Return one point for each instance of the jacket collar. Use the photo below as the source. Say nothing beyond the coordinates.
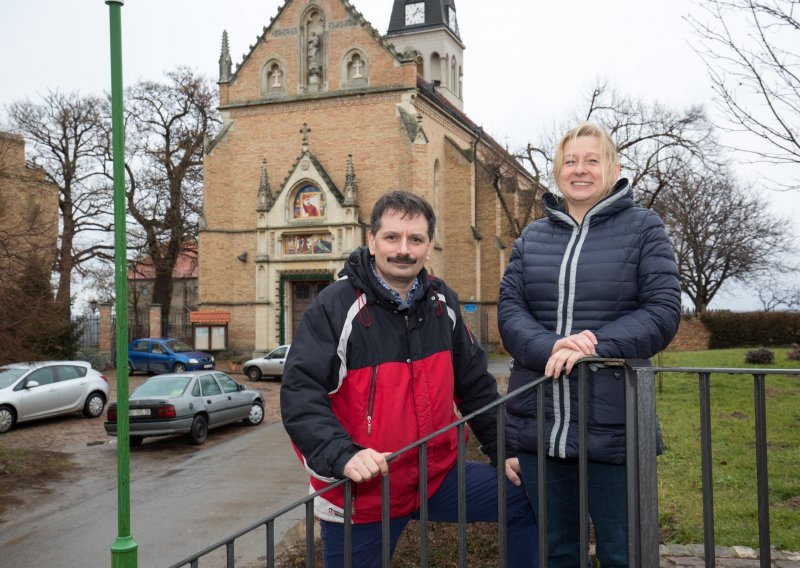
(621, 197)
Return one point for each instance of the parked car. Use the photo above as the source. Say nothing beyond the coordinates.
(29, 391)
(188, 403)
(165, 355)
(270, 365)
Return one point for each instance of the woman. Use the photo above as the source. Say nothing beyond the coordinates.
(596, 276)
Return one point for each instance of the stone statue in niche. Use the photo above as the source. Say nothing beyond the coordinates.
(314, 50)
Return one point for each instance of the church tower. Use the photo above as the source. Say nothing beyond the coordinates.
(430, 27)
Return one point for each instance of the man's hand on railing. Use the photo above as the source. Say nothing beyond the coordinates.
(513, 471)
(365, 465)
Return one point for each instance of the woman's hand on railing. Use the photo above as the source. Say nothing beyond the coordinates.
(585, 341)
(562, 360)
(513, 471)
(365, 465)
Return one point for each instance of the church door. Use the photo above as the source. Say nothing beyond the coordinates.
(303, 293)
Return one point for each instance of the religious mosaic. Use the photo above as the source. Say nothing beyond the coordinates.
(309, 203)
(321, 243)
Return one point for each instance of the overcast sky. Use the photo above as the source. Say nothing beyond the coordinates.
(527, 64)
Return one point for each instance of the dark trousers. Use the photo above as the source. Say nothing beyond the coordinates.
(607, 509)
(481, 486)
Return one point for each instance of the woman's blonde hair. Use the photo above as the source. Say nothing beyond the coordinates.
(608, 152)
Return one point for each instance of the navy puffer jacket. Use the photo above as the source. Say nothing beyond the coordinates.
(615, 275)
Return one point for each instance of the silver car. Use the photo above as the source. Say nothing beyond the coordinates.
(29, 391)
(187, 403)
(270, 365)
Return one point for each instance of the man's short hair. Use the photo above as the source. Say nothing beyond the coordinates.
(406, 203)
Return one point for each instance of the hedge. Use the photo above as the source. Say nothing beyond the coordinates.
(752, 329)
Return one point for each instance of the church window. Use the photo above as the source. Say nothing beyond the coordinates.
(436, 67)
(308, 243)
(355, 69)
(273, 78)
(308, 204)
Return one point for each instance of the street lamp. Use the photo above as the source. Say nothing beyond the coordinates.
(93, 305)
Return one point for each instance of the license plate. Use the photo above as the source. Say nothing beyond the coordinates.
(207, 366)
(140, 412)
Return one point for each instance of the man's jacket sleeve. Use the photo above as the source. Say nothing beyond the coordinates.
(312, 371)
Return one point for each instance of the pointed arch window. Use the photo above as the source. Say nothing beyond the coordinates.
(355, 69)
(308, 204)
(273, 78)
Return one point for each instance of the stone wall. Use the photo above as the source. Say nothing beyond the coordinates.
(692, 335)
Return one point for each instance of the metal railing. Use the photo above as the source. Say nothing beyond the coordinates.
(641, 478)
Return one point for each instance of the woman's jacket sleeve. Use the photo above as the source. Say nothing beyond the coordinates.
(525, 339)
(648, 329)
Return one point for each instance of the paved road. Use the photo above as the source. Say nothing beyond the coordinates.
(175, 512)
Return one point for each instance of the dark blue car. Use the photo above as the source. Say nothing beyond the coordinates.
(165, 355)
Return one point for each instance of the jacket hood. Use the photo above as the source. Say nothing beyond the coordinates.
(357, 269)
(621, 197)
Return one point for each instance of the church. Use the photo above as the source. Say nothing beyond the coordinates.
(323, 115)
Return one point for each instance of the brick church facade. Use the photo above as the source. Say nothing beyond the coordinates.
(324, 115)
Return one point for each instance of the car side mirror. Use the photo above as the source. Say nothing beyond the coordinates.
(242, 387)
(31, 384)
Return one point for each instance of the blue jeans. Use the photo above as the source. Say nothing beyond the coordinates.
(606, 485)
(481, 485)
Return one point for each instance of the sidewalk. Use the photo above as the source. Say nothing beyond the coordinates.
(726, 557)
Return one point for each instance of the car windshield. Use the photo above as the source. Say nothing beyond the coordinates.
(162, 386)
(177, 346)
(8, 376)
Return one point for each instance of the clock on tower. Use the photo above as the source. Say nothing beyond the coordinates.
(415, 13)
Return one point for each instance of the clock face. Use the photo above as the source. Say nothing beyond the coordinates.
(415, 13)
(451, 19)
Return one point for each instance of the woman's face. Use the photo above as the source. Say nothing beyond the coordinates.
(583, 178)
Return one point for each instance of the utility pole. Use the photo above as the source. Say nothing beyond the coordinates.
(124, 550)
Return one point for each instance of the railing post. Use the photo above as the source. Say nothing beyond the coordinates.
(583, 461)
(641, 440)
(762, 476)
(541, 472)
(502, 545)
(708, 478)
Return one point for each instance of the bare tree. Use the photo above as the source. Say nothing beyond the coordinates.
(516, 190)
(167, 124)
(775, 291)
(720, 233)
(69, 139)
(655, 142)
(751, 50)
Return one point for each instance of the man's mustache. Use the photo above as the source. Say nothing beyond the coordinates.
(402, 259)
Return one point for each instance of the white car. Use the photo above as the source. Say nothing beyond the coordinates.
(270, 365)
(29, 391)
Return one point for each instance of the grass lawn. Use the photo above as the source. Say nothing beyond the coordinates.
(733, 451)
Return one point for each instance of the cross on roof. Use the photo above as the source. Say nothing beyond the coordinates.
(304, 131)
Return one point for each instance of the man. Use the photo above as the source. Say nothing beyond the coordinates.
(377, 363)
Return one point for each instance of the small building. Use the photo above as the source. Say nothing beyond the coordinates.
(28, 209)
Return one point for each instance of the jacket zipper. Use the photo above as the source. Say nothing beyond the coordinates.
(373, 387)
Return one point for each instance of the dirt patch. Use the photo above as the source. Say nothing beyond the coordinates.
(30, 468)
(792, 503)
(735, 416)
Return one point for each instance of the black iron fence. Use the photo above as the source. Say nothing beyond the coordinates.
(89, 329)
(642, 489)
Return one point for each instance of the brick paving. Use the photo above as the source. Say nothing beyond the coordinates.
(726, 557)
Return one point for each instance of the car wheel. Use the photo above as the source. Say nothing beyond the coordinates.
(131, 369)
(135, 441)
(7, 419)
(254, 373)
(199, 432)
(179, 368)
(256, 415)
(94, 405)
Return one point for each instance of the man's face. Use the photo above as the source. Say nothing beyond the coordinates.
(400, 247)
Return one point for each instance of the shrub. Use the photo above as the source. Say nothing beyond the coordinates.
(794, 354)
(98, 360)
(760, 355)
(750, 329)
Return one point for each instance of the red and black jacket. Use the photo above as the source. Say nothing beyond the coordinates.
(364, 374)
